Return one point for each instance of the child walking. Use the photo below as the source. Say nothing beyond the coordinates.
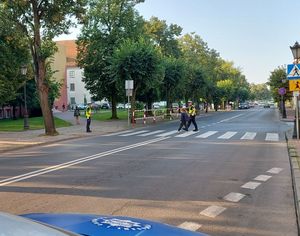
(183, 119)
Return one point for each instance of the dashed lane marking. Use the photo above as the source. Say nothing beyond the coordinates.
(234, 197)
(251, 185)
(263, 178)
(274, 170)
(190, 226)
(212, 211)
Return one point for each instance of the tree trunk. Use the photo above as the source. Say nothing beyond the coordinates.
(114, 114)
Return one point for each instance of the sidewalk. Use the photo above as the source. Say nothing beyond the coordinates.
(16, 140)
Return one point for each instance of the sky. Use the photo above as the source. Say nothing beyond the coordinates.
(254, 34)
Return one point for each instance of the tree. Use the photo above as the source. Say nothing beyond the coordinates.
(276, 81)
(40, 21)
(138, 61)
(107, 25)
(260, 91)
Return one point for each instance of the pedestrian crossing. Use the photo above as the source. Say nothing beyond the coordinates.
(212, 134)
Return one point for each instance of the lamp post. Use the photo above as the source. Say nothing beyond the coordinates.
(296, 54)
(26, 122)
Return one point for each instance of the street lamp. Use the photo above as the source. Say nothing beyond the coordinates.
(296, 54)
(26, 122)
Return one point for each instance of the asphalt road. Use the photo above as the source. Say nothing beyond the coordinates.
(230, 178)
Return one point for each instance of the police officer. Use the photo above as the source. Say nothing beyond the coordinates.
(192, 114)
(88, 114)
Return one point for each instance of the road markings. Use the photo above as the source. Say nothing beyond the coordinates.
(272, 137)
(263, 178)
(167, 134)
(249, 136)
(190, 226)
(76, 162)
(234, 197)
(122, 132)
(207, 134)
(251, 185)
(134, 133)
(275, 170)
(212, 211)
(185, 134)
(227, 135)
(151, 133)
(228, 119)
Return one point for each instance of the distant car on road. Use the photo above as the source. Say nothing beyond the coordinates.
(82, 224)
(267, 105)
(244, 105)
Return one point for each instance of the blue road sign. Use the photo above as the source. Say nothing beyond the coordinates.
(293, 71)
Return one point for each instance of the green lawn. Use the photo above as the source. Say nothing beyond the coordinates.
(105, 115)
(34, 123)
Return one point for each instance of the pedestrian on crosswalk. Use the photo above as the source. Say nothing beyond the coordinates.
(183, 119)
(192, 114)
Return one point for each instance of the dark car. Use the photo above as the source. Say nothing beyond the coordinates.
(83, 224)
(105, 106)
(244, 105)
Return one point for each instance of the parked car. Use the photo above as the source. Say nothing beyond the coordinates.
(156, 105)
(120, 106)
(82, 224)
(81, 106)
(105, 106)
(175, 107)
(127, 105)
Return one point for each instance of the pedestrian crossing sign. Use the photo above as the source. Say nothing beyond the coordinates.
(293, 71)
(294, 85)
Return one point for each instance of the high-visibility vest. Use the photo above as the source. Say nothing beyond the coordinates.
(88, 112)
(192, 110)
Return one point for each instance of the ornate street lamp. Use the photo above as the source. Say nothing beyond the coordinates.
(296, 54)
(26, 122)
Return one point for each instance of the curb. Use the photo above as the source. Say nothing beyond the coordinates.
(295, 172)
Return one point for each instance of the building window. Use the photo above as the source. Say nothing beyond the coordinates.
(72, 74)
(73, 100)
(72, 87)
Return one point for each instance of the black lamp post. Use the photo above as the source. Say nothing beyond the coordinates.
(26, 122)
(296, 54)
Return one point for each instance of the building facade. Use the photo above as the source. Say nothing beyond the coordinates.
(69, 75)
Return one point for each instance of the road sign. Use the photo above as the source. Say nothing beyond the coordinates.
(282, 91)
(294, 85)
(293, 71)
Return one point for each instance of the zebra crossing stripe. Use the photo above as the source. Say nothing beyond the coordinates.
(275, 170)
(186, 134)
(151, 133)
(212, 211)
(227, 135)
(249, 136)
(206, 134)
(134, 133)
(166, 134)
(272, 137)
(234, 197)
(121, 132)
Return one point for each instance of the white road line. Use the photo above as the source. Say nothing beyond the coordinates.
(263, 178)
(151, 133)
(206, 134)
(190, 226)
(186, 134)
(272, 137)
(234, 197)
(227, 135)
(134, 133)
(251, 185)
(117, 133)
(212, 211)
(75, 162)
(275, 170)
(221, 121)
(167, 134)
(249, 136)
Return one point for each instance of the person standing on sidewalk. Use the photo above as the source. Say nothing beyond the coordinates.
(76, 115)
(192, 114)
(88, 114)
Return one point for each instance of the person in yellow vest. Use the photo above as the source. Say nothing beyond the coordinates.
(88, 114)
(192, 115)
